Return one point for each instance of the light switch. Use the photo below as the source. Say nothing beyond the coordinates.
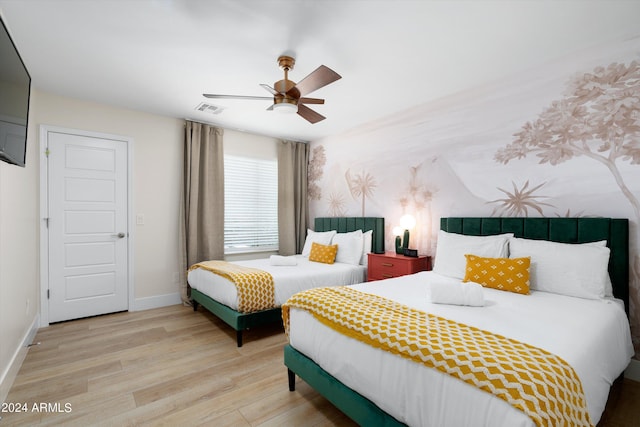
(140, 219)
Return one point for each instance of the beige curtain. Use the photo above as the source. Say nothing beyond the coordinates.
(293, 208)
(202, 212)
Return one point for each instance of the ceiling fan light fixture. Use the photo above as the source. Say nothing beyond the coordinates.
(285, 108)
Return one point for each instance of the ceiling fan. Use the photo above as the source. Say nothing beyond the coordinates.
(289, 96)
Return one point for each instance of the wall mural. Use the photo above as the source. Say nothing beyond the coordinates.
(317, 161)
(562, 139)
(361, 186)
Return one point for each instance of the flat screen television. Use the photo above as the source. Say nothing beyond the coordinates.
(15, 90)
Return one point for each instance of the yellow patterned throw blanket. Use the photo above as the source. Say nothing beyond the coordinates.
(532, 380)
(255, 287)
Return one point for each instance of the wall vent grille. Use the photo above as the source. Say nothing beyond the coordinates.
(209, 108)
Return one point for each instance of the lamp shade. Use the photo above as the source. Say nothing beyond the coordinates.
(407, 222)
(285, 107)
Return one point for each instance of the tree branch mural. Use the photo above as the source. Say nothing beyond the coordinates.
(599, 118)
(360, 185)
(315, 171)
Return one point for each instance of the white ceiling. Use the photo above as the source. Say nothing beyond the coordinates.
(159, 56)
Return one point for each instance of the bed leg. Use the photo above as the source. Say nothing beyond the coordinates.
(195, 305)
(292, 380)
(239, 338)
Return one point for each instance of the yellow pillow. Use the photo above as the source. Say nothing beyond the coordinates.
(323, 253)
(505, 274)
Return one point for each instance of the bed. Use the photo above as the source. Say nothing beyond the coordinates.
(219, 296)
(376, 387)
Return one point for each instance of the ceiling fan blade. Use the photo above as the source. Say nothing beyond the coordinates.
(309, 115)
(270, 89)
(310, 101)
(320, 77)
(260, 98)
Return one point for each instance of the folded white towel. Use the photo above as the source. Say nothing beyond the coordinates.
(459, 293)
(283, 260)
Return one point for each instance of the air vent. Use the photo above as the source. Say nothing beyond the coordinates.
(209, 108)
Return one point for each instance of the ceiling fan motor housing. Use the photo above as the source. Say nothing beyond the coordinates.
(282, 87)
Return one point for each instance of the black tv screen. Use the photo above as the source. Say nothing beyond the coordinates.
(15, 89)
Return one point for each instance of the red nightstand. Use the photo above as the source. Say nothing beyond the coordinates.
(390, 264)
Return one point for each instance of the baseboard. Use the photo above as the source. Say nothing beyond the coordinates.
(9, 375)
(633, 370)
(157, 301)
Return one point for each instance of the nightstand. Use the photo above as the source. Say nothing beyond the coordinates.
(390, 264)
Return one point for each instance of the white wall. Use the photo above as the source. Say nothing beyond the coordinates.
(18, 260)
(157, 178)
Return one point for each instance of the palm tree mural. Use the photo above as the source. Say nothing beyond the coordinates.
(361, 185)
(518, 201)
(336, 204)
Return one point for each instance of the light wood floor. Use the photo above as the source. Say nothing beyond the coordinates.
(171, 366)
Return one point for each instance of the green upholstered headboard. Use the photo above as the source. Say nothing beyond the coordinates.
(565, 230)
(346, 224)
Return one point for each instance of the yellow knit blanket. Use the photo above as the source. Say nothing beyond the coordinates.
(256, 290)
(532, 380)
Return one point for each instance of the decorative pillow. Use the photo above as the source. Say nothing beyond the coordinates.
(322, 237)
(366, 247)
(452, 247)
(323, 253)
(578, 270)
(505, 274)
(349, 246)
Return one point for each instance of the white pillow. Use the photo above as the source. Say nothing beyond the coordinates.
(321, 237)
(578, 270)
(452, 247)
(367, 236)
(608, 286)
(349, 247)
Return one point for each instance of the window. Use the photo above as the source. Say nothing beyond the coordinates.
(250, 204)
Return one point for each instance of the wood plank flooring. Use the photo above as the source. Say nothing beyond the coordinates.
(171, 366)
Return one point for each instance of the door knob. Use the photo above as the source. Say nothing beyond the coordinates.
(119, 235)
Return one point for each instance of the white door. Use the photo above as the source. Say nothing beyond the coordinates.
(87, 225)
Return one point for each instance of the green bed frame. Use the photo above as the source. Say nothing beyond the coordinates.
(565, 230)
(243, 321)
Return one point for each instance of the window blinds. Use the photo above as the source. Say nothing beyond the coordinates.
(250, 204)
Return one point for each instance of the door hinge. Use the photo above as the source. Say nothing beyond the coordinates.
(47, 152)
(47, 293)
(46, 222)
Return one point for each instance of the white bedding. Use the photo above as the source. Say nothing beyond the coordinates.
(288, 279)
(591, 335)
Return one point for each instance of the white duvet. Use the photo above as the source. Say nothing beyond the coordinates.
(288, 279)
(593, 336)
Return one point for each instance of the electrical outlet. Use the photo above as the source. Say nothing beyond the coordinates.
(140, 219)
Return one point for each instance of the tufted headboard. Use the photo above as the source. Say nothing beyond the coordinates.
(565, 230)
(346, 224)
